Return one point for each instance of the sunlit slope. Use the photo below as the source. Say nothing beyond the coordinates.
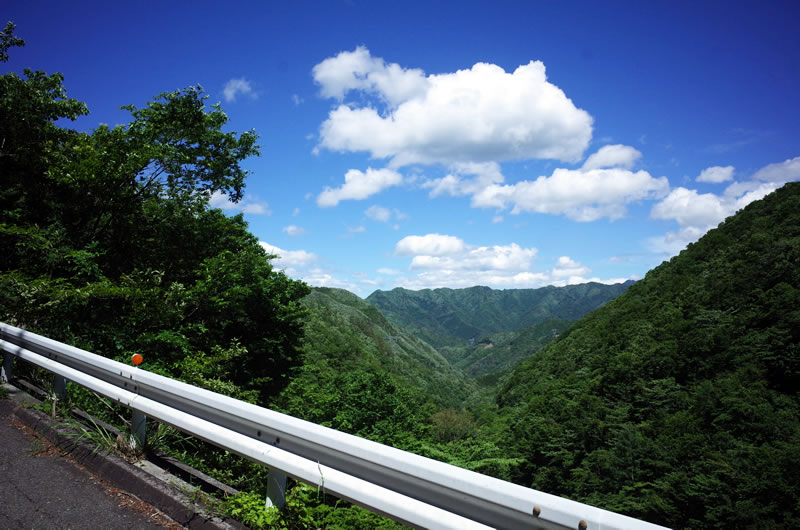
(677, 402)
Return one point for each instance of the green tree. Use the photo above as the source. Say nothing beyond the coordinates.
(8, 40)
(107, 240)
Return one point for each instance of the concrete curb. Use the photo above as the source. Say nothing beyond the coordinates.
(126, 476)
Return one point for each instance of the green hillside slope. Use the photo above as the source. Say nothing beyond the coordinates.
(454, 317)
(364, 375)
(677, 402)
(501, 351)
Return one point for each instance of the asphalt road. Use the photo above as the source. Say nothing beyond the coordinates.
(40, 488)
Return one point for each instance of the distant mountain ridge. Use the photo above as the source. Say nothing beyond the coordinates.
(459, 317)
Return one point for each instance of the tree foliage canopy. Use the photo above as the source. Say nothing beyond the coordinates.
(107, 240)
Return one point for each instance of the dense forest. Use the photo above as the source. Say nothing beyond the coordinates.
(677, 402)
(673, 399)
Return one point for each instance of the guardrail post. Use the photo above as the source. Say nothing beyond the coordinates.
(276, 489)
(59, 386)
(7, 371)
(139, 427)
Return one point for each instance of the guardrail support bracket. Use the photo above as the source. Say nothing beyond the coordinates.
(276, 489)
(139, 427)
(59, 386)
(8, 368)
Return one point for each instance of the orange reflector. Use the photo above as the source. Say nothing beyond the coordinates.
(137, 359)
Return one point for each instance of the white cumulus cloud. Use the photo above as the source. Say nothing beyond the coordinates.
(702, 211)
(601, 188)
(696, 213)
(785, 171)
(319, 277)
(672, 242)
(447, 261)
(618, 155)
(466, 179)
(478, 114)
(690, 208)
(359, 185)
(566, 268)
(358, 70)
(235, 87)
(430, 245)
(492, 258)
(288, 259)
(581, 195)
(433, 279)
(716, 174)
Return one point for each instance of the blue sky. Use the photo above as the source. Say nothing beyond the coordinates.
(451, 144)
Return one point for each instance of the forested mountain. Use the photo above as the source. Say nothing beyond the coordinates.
(677, 402)
(501, 351)
(454, 317)
(345, 333)
(363, 375)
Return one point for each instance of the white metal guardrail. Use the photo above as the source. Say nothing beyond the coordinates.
(406, 487)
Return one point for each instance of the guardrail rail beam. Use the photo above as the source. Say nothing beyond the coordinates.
(412, 489)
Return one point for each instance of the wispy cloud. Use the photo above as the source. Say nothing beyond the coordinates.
(384, 215)
(294, 230)
(236, 87)
(741, 139)
(250, 204)
(378, 213)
